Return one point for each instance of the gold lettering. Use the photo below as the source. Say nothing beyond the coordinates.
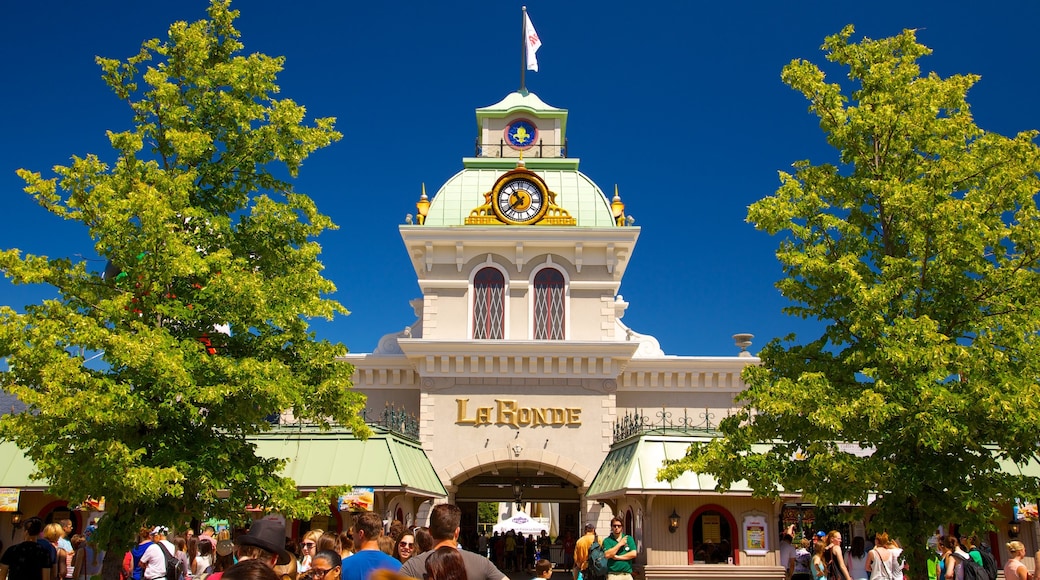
(557, 416)
(461, 403)
(507, 412)
(538, 417)
(573, 416)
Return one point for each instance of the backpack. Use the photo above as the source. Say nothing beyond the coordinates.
(175, 568)
(971, 570)
(598, 566)
(988, 562)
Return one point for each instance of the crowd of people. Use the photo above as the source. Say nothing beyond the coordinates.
(365, 552)
(820, 557)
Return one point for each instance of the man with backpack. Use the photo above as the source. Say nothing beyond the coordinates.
(581, 551)
(620, 551)
(158, 560)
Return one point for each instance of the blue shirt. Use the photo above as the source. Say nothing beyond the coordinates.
(359, 565)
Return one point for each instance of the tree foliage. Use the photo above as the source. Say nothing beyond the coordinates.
(919, 249)
(202, 229)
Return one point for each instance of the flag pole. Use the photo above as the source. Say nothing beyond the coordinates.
(523, 47)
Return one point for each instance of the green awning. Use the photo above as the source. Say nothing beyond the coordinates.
(631, 468)
(386, 461)
(16, 469)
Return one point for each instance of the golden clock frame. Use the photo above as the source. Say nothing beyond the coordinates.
(551, 215)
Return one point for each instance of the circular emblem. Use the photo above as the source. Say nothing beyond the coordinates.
(521, 134)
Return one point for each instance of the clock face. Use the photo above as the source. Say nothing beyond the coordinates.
(520, 201)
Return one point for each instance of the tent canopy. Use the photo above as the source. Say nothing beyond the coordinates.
(521, 523)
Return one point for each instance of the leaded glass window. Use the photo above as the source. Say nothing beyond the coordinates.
(489, 294)
(548, 305)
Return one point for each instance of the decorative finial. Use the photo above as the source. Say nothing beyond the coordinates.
(618, 208)
(422, 206)
(520, 161)
(408, 218)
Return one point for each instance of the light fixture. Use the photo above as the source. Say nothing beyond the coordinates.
(1013, 529)
(16, 521)
(673, 522)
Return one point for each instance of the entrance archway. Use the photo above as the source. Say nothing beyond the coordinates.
(549, 495)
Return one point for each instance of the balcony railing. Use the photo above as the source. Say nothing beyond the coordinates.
(539, 149)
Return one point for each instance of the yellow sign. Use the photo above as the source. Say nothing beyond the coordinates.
(509, 412)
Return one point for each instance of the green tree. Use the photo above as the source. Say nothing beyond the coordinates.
(919, 251)
(204, 331)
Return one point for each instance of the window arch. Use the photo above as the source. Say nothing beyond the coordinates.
(489, 298)
(548, 305)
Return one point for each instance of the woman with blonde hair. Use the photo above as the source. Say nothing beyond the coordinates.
(52, 533)
(1015, 569)
(832, 556)
(308, 548)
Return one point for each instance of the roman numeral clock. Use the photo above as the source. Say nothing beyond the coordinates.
(520, 198)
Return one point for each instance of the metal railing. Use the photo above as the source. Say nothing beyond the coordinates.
(396, 420)
(539, 149)
(638, 422)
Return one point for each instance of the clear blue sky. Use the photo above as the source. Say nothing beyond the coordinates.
(678, 102)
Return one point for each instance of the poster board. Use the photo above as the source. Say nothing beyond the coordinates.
(754, 534)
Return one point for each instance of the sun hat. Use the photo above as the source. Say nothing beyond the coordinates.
(268, 535)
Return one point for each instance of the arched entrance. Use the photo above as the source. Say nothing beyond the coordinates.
(548, 496)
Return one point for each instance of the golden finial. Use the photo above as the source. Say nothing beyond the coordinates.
(618, 208)
(422, 206)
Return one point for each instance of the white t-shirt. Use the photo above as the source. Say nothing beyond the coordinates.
(154, 561)
(786, 554)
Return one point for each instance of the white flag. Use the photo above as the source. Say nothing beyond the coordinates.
(532, 42)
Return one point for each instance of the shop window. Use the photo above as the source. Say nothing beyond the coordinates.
(712, 536)
(489, 297)
(549, 305)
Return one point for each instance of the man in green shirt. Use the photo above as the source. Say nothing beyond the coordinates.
(620, 551)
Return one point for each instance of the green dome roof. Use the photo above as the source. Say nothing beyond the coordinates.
(575, 192)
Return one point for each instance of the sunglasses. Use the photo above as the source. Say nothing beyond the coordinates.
(405, 544)
(319, 572)
(307, 544)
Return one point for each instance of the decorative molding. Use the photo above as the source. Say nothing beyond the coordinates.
(537, 359)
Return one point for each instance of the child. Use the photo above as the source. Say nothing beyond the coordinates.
(542, 570)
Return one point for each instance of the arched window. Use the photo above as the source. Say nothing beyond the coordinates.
(489, 296)
(548, 305)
